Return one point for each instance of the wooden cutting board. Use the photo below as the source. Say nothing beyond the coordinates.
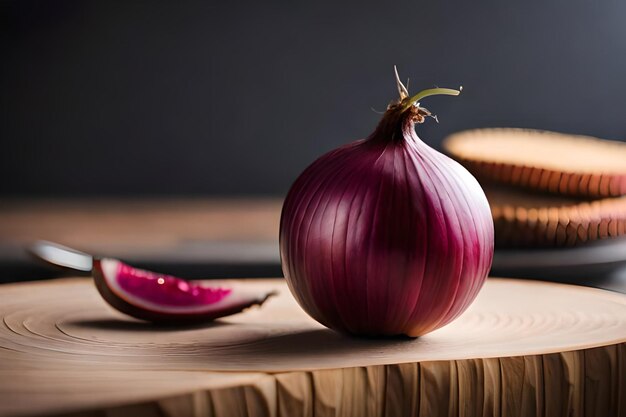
(523, 348)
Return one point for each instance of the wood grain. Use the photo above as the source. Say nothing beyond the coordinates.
(522, 349)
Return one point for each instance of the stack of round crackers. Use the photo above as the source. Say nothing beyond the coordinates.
(545, 188)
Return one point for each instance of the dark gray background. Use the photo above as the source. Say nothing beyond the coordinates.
(195, 98)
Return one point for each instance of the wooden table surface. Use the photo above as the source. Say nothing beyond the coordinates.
(522, 349)
(190, 237)
(200, 238)
(97, 224)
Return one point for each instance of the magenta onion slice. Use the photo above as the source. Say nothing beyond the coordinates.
(164, 298)
(386, 236)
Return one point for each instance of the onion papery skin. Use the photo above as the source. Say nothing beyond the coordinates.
(386, 236)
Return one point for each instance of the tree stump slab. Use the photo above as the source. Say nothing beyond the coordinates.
(524, 348)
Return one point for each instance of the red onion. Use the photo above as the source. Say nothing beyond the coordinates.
(386, 236)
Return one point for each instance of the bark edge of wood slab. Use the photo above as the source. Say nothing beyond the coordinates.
(523, 348)
(545, 161)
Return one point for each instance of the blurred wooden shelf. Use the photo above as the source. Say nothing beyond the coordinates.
(146, 223)
(193, 237)
(200, 238)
